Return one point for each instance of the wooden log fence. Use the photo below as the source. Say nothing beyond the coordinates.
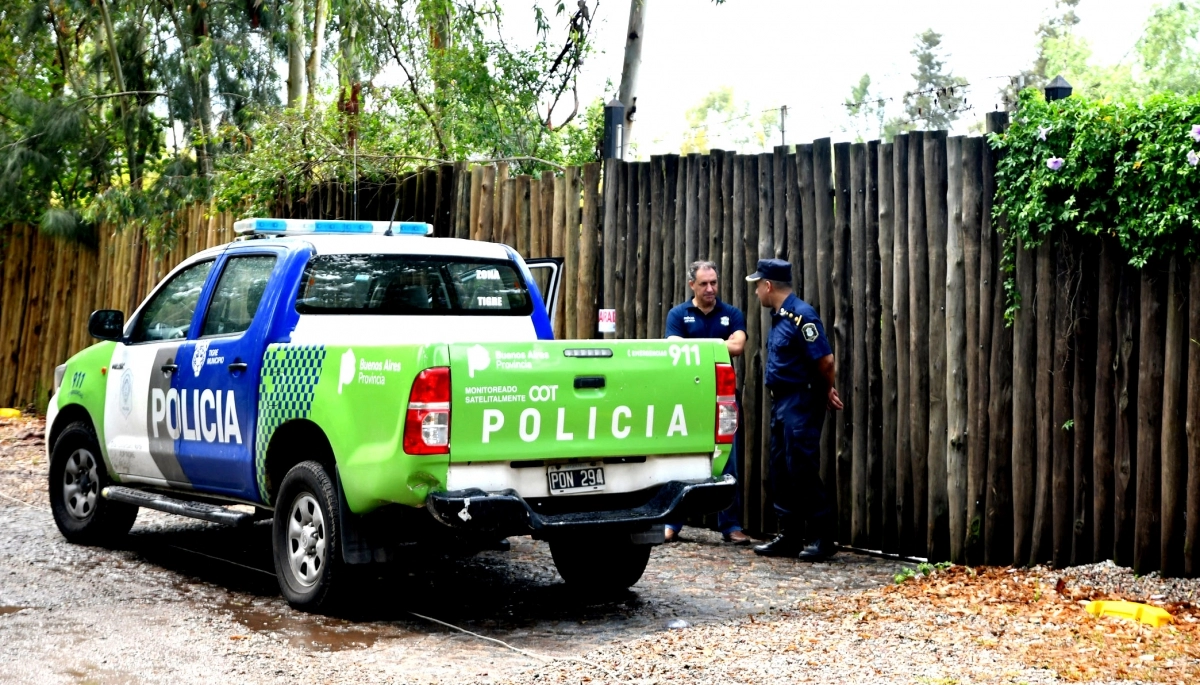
(1068, 434)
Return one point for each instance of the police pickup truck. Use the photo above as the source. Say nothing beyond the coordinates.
(374, 390)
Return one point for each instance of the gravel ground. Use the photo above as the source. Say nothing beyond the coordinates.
(191, 601)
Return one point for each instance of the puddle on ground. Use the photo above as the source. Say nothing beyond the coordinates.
(10, 610)
(307, 631)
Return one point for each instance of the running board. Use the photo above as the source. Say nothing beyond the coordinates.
(196, 510)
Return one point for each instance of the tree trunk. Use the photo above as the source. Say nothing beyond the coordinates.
(627, 93)
(313, 68)
(127, 123)
(295, 31)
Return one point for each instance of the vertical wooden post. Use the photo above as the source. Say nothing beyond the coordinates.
(874, 354)
(766, 250)
(716, 239)
(887, 289)
(808, 226)
(558, 240)
(523, 219)
(978, 256)
(1043, 515)
(487, 199)
(779, 194)
(795, 248)
(1024, 448)
(1084, 392)
(703, 182)
(1149, 420)
(1062, 409)
(855, 277)
(823, 190)
(752, 391)
(620, 264)
(693, 208)
(632, 230)
(1191, 542)
(1105, 402)
(956, 356)
(843, 330)
(462, 200)
(670, 235)
(608, 273)
(937, 226)
(643, 252)
(508, 218)
(13, 297)
(547, 207)
(1125, 446)
(1174, 447)
(446, 187)
(918, 321)
(997, 531)
(502, 173)
(585, 299)
(900, 321)
(729, 283)
(655, 320)
(536, 250)
(679, 274)
(737, 255)
(570, 286)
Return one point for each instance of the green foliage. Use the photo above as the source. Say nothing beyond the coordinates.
(866, 110)
(719, 121)
(1126, 170)
(938, 94)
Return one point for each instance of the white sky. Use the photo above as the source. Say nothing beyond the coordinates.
(807, 54)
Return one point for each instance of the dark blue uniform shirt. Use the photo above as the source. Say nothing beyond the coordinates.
(796, 342)
(687, 321)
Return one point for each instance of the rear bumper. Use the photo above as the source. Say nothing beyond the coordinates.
(506, 513)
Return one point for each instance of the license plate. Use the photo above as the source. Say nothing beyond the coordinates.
(571, 478)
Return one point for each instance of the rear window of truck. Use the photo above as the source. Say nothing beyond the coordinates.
(412, 285)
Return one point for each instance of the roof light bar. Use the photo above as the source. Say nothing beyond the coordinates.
(310, 226)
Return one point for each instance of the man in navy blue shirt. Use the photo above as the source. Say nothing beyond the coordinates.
(800, 377)
(706, 316)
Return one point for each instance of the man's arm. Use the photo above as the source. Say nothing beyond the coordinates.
(736, 343)
(825, 366)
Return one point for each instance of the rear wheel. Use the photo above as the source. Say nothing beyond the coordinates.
(605, 564)
(307, 549)
(77, 477)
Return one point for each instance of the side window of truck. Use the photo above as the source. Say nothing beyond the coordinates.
(237, 295)
(168, 316)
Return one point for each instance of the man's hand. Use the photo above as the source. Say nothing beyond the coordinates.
(835, 402)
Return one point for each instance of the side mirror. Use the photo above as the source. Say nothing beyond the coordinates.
(107, 324)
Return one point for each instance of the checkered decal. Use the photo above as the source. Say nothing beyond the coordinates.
(289, 378)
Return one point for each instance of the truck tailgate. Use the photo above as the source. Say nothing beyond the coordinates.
(583, 398)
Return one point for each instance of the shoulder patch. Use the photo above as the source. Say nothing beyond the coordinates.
(810, 331)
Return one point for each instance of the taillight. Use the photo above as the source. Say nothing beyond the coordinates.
(727, 412)
(427, 423)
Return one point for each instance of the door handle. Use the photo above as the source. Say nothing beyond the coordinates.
(169, 368)
(238, 366)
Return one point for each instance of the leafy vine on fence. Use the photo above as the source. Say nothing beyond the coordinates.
(1123, 169)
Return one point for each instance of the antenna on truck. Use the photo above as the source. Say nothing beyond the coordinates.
(393, 219)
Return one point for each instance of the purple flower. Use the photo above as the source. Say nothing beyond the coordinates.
(1193, 158)
(1042, 131)
(1196, 132)
(1054, 163)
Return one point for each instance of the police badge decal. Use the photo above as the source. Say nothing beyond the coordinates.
(198, 357)
(126, 397)
(810, 331)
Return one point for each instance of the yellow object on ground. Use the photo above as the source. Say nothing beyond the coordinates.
(6, 413)
(1133, 611)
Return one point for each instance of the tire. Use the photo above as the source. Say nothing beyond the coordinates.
(77, 476)
(599, 563)
(305, 538)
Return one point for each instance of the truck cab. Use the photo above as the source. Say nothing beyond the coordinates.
(371, 387)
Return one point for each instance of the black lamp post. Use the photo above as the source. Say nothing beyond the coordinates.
(1058, 89)
(614, 129)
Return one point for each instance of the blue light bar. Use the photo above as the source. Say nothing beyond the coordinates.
(310, 226)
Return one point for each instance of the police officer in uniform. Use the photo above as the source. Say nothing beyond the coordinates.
(800, 377)
(706, 316)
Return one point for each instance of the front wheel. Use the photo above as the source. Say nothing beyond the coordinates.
(77, 477)
(603, 564)
(304, 537)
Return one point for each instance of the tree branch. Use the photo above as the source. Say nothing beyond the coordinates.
(412, 84)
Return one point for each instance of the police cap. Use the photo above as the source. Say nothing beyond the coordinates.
(772, 270)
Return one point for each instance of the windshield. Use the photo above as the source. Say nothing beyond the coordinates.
(412, 285)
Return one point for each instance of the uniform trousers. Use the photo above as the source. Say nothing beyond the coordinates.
(794, 470)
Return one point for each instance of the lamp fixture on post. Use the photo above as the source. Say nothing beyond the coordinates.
(614, 129)
(1058, 89)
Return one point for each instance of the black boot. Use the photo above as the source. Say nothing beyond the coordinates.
(818, 550)
(783, 545)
